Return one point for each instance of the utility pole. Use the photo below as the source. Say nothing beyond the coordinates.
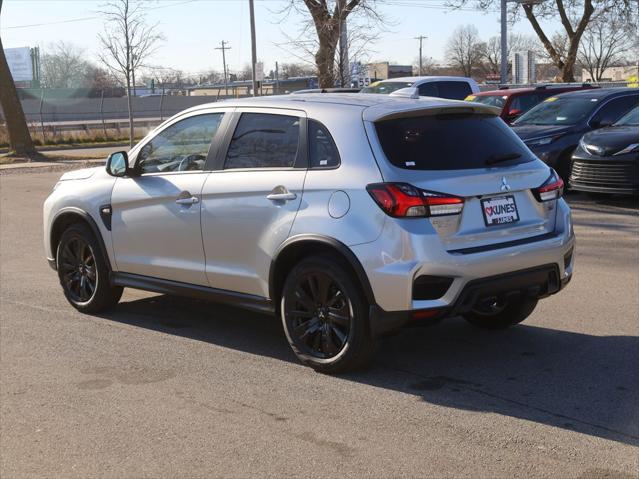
(503, 71)
(253, 47)
(420, 38)
(226, 78)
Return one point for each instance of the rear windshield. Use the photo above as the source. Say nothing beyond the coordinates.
(498, 101)
(450, 142)
(386, 87)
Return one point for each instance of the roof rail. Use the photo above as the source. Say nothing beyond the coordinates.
(504, 87)
(541, 87)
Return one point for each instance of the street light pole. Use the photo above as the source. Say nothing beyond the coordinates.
(253, 47)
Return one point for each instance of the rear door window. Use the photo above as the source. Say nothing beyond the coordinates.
(450, 142)
(454, 90)
(263, 140)
(428, 89)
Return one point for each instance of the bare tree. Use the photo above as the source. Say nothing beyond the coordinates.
(127, 42)
(428, 66)
(464, 49)
(604, 44)
(290, 70)
(574, 15)
(516, 43)
(63, 65)
(19, 136)
(326, 18)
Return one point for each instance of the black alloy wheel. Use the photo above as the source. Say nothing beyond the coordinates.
(84, 272)
(319, 315)
(78, 270)
(325, 315)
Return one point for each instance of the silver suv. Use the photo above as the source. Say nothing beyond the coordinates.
(349, 216)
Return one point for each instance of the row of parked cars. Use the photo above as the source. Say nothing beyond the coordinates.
(589, 135)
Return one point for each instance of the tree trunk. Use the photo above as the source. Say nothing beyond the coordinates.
(325, 61)
(19, 136)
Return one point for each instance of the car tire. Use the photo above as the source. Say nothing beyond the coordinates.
(512, 313)
(83, 271)
(325, 316)
(564, 166)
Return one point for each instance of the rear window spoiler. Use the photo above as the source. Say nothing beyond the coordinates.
(463, 108)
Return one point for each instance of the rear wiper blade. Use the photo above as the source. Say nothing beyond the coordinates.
(494, 159)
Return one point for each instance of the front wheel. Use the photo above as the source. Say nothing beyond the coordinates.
(325, 316)
(83, 271)
(498, 315)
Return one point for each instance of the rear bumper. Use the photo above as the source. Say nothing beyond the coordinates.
(400, 256)
(537, 283)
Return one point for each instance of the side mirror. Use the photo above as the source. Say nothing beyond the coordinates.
(514, 113)
(118, 164)
(600, 123)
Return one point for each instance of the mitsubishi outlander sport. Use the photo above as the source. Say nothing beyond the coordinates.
(347, 215)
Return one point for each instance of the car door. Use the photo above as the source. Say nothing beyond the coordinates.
(250, 202)
(156, 227)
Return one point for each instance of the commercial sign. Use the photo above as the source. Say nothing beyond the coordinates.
(20, 64)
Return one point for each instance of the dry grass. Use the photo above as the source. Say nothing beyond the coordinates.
(79, 137)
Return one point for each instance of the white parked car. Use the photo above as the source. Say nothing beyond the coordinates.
(347, 215)
(452, 88)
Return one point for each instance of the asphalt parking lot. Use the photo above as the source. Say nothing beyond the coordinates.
(168, 387)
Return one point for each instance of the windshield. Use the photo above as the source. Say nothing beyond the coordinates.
(498, 101)
(558, 111)
(433, 142)
(386, 87)
(630, 119)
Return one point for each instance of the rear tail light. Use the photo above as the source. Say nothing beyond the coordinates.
(402, 200)
(552, 189)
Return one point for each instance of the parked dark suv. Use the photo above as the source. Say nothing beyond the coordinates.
(553, 128)
(607, 160)
(517, 101)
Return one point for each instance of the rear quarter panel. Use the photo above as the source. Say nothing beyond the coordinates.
(345, 186)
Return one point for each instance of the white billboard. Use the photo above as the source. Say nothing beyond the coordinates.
(20, 65)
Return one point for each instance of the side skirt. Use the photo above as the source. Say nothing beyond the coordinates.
(165, 286)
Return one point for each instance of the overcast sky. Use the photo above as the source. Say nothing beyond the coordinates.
(193, 28)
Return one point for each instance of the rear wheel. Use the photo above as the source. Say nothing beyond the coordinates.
(83, 271)
(498, 314)
(325, 316)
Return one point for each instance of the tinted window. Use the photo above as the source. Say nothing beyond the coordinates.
(630, 119)
(559, 111)
(386, 87)
(454, 90)
(615, 109)
(182, 146)
(450, 142)
(322, 150)
(262, 140)
(497, 101)
(525, 102)
(428, 89)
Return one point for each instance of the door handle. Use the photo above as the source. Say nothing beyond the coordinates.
(282, 196)
(187, 198)
(280, 193)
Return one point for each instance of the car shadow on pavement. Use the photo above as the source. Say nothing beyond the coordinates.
(588, 384)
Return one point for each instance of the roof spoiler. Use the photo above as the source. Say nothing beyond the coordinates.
(465, 108)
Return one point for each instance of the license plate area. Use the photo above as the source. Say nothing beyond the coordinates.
(499, 210)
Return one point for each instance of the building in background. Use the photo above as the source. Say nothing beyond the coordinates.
(384, 71)
(626, 73)
(524, 68)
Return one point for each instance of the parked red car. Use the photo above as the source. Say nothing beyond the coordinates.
(514, 102)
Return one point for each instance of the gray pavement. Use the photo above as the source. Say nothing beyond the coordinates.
(168, 387)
